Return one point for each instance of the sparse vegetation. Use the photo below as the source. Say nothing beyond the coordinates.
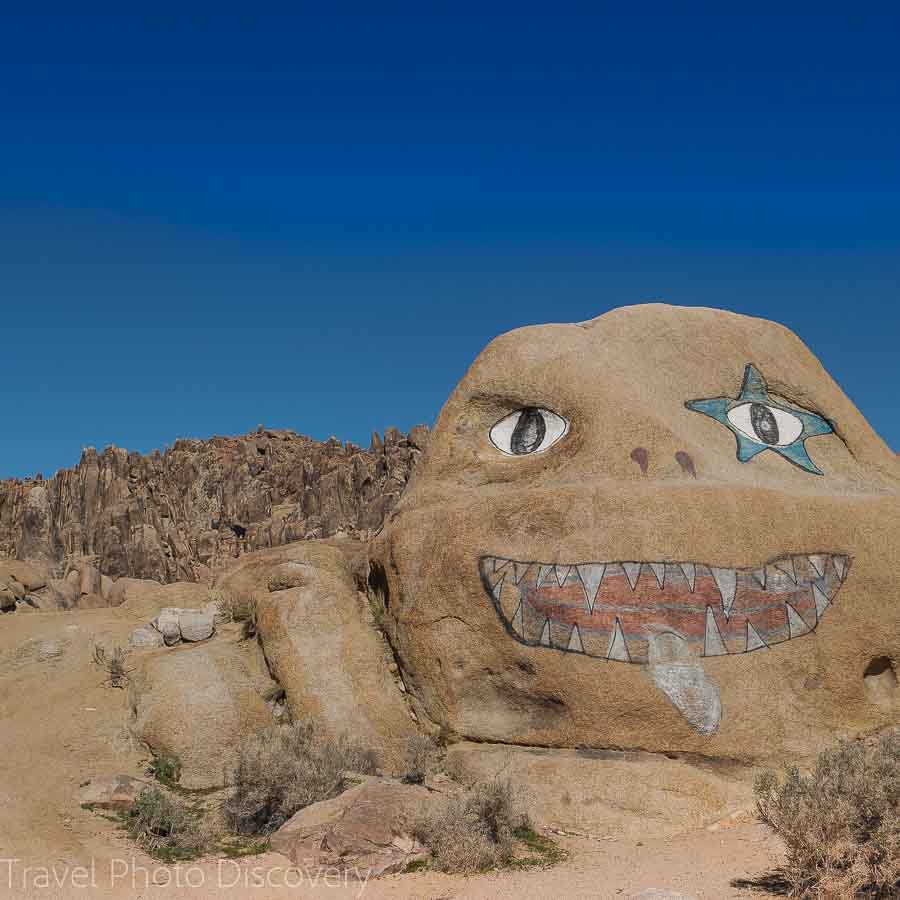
(238, 608)
(112, 662)
(422, 758)
(165, 827)
(286, 768)
(166, 769)
(474, 831)
(841, 823)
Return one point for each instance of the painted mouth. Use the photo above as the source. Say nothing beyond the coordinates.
(642, 612)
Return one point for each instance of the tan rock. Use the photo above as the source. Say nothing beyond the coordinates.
(197, 702)
(322, 647)
(605, 792)
(116, 792)
(675, 562)
(153, 517)
(364, 832)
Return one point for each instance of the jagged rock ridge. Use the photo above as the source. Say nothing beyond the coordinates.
(175, 516)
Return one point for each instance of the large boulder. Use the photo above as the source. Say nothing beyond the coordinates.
(197, 702)
(606, 793)
(664, 529)
(322, 647)
(364, 832)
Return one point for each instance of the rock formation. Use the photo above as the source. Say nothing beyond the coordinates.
(665, 529)
(175, 516)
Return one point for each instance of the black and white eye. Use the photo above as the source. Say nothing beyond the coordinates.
(766, 424)
(528, 430)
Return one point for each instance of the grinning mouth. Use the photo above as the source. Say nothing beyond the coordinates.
(643, 612)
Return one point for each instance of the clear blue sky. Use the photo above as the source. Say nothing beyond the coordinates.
(316, 220)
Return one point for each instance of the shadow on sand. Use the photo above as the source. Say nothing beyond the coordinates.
(773, 883)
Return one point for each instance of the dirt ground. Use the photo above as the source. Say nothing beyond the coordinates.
(59, 725)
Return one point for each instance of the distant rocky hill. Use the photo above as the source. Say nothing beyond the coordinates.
(174, 516)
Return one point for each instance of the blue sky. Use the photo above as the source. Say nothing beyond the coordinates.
(316, 220)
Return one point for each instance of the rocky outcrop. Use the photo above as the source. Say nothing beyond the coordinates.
(176, 516)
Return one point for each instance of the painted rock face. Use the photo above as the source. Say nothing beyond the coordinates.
(664, 529)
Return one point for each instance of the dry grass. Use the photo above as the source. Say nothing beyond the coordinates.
(284, 769)
(112, 662)
(423, 757)
(841, 823)
(474, 831)
(238, 608)
(165, 827)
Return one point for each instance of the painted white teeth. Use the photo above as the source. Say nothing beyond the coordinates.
(544, 572)
(796, 623)
(754, 641)
(518, 622)
(500, 564)
(726, 582)
(575, 644)
(821, 599)
(520, 570)
(787, 566)
(659, 570)
(818, 562)
(562, 573)
(545, 633)
(689, 570)
(618, 649)
(632, 572)
(760, 576)
(591, 576)
(714, 645)
(498, 588)
(840, 565)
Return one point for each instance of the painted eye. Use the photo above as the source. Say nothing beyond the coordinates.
(766, 424)
(528, 430)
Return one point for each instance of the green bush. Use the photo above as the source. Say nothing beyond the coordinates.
(165, 827)
(841, 823)
(166, 769)
(284, 769)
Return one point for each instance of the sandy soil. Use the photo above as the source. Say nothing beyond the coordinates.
(59, 725)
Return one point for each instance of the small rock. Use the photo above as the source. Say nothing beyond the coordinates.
(166, 623)
(288, 575)
(196, 625)
(117, 792)
(145, 636)
(7, 601)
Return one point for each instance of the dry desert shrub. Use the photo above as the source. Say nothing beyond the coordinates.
(423, 756)
(474, 831)
(285, 768)
(238, 608)
(841, 823)
(113, 664)
(166, 827)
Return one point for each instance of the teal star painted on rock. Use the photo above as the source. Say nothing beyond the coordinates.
(759, 423)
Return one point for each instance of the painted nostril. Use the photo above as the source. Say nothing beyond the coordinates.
(687, 464)
(642, 458)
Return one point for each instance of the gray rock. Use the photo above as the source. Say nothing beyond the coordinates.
(146, 636)
(196, 625)
(167, 624)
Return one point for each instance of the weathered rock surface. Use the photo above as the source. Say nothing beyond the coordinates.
(604, 792)
(174, 516)
(729, 599)
(321, 645)
(116, 792)
(197, 702)
(364, 832)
